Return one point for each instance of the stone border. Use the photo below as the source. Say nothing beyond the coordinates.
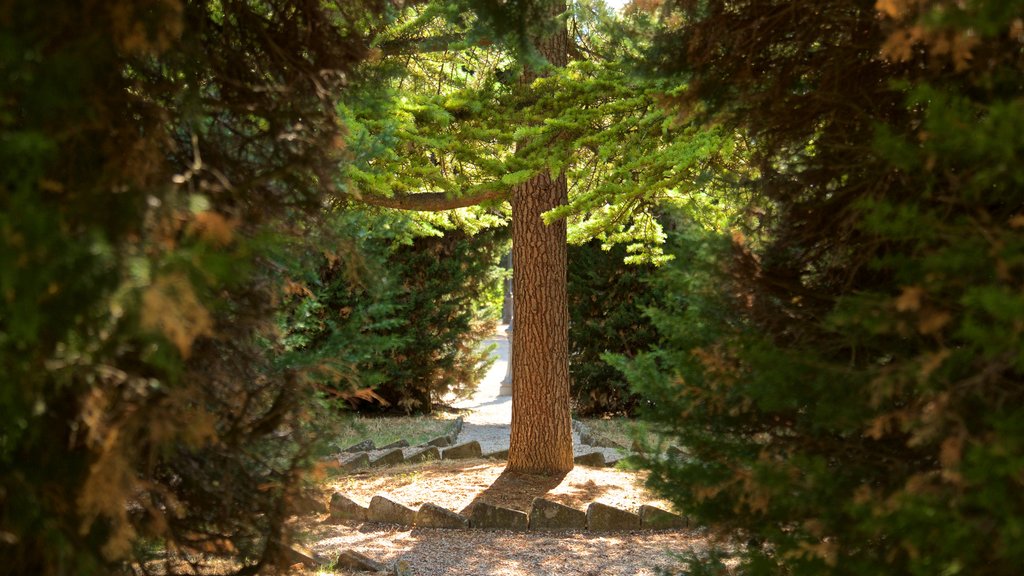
(357, 456)
(544, 515)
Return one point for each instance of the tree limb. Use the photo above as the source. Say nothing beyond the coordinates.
(429, 201)
(427, 44)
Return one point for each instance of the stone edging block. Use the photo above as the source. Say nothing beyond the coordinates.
(497, 455)
(548, 515)
(344, 509)
(428, 453)
(389, 458)
(595, 459)
(364, 446)
(383, 510)
(654, 518)
(468, 450)
(352, 560)
(434, 516)
(605, 518)
(357, 462)
(490, 517)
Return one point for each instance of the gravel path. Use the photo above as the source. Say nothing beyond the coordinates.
(490, 414)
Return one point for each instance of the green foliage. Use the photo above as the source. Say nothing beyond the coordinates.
(607, 302)
(846, 377)
(409, 327)
(144, 183)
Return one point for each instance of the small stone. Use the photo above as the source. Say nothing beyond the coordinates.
(654, 518)
(364, 446)
(402, 568)
(352, 560)
(356, 462)
(602, 517)
(548, 515)
(462, 451)
(440, 442)
(389, 459)
(396, 444)
(344, 509)
(383, 510)
(595, 459)
(429, 453)
(489, 517)
(434, 516)
(296, 554)
(497, 455)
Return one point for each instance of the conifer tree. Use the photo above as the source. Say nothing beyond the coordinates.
(481, 125)
(845, 373)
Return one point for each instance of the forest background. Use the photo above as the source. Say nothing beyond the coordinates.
(818, 209)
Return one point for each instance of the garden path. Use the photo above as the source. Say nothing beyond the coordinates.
(488, 414)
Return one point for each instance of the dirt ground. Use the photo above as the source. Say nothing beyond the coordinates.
(457, 485)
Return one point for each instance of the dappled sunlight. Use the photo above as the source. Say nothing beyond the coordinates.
(456, 485)
(444, 552)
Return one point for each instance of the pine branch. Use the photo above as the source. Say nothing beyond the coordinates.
(429, 201)
(429, 44)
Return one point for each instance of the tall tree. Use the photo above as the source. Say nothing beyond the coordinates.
(541, 431)
(468, 133)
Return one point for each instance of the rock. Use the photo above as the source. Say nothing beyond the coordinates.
(396, 444)
(654, 518)
(602, 442)
(462, 451)
(595, 459)
(296, 554)
(389, 459)
(344, 509)
(364, 446)
(356, 462)
(602, 517)
(429, 453)
(489, 517)
(497, 455)
(383, 510)
(440, 442)
(352, 560)
(434, 516)
(402, 568)
(548, 515)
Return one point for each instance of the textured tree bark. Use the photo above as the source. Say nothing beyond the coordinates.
(541, 431)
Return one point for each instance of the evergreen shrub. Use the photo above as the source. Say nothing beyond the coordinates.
(847, 378)
(411, 325)
(607, 301)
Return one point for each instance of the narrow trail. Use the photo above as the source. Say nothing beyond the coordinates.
(489, 416)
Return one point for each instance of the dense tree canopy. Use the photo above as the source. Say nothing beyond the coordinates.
(148, 152)
(849, 385)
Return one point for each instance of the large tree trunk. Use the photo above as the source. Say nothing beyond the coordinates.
(541, 432)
